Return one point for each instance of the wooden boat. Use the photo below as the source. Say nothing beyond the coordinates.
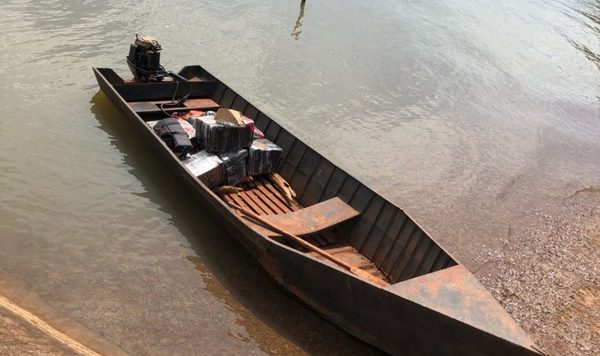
(420, 299)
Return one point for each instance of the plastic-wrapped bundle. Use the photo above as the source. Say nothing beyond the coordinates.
(174, 135)
(263, 157)
(193, 118)
(235, 166)
(219, 137)
(187, 127)
(208, 167)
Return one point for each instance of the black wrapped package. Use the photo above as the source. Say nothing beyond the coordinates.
(220, 137)
(263, 157)
(235, 166)
(171, 131)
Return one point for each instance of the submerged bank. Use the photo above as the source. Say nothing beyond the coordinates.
(20, 338)
(29, 327)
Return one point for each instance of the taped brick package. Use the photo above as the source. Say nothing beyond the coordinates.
(263, 157)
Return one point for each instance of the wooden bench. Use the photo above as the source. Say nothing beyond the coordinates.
(190, 104)
(307, 221)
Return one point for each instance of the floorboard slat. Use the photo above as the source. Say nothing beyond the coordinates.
(273, 198)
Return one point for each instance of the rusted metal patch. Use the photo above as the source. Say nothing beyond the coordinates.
(456, 293)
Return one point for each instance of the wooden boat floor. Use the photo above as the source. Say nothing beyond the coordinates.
(263, 198)
(350, 255)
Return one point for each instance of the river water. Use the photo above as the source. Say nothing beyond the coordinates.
(465, 113)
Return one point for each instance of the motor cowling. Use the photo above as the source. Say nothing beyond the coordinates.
(144, 59)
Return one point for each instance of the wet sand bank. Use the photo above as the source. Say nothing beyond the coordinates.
(29, 327)
(17, 337)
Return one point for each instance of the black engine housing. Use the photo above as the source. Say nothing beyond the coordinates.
(144, 59)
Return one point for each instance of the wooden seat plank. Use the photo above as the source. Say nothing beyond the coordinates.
(310, 220)
(190, 104)
(204, 103)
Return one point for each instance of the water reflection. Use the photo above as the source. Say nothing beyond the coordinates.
(228, 272)
(298, 27)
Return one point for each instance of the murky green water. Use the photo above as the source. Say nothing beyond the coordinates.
(466, 113)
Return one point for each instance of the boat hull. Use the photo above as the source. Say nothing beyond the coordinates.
(379, 316)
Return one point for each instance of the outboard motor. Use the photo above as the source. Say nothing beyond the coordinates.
(144, 59)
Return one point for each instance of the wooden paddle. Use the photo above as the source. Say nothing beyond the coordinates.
(354, 269)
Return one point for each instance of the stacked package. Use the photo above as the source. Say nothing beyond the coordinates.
(235, 166)
(263, 157)
(230, 147)
(218, 136)
(175, 136)
(208, 167)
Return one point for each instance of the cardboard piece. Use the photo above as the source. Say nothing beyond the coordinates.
(230, 116)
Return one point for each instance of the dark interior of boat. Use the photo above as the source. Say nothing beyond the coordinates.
(331, 209)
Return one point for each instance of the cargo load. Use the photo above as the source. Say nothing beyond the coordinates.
(235, 166)
(187, 127)
(208, 167)
(263, 157)
(175, 136)
(185, 124)
(220, 137)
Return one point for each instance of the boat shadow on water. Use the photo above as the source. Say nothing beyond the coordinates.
(229, 273)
